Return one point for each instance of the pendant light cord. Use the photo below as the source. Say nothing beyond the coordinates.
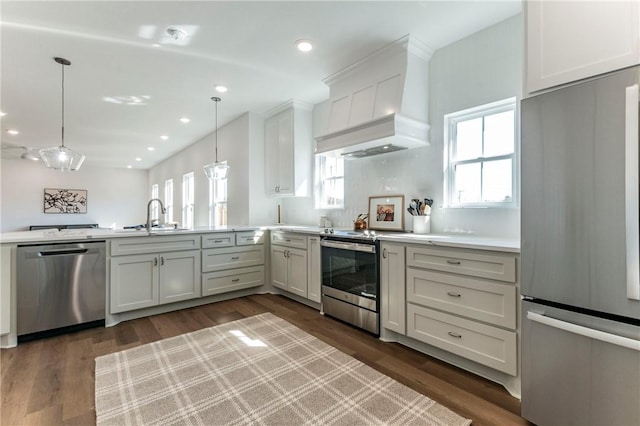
(216, 100)
(62, 65)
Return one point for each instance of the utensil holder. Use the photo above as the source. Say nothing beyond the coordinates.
(422, 224)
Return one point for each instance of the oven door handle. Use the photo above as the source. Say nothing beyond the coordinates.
(367, 248)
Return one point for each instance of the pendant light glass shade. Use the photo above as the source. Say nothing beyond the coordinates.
(60, 157)
(218, 169)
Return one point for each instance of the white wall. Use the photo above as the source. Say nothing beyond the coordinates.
(115, 197)
(241, 144)
(482, 68)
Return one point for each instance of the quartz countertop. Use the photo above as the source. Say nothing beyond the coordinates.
(443, 240)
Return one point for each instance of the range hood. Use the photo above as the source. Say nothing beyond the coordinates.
(379, 104)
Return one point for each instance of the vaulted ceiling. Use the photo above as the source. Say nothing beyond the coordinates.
(130, 82)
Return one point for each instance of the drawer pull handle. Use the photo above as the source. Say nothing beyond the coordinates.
(235, 280)
(384, 253)
(288, 241)
(217, 241)
(235, 258)
(452, 294)
(155, 261)
(453, 262)
(456, 335)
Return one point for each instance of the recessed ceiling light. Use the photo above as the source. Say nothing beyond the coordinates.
(156, 45)
(221, 89)
(164, 137)
(138, 159)
(150, 148)
(185, 120)
(129, 166)
(2, 114)
(13, 132)
(304, 45)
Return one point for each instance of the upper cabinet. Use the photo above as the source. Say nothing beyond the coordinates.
(568, 41)
(288, 150)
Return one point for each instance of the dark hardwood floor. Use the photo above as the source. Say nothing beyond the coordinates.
(51, 381)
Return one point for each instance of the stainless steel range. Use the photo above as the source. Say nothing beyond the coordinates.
(350, 278)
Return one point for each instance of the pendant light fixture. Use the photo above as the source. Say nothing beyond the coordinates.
(216, 170)
(60, 157)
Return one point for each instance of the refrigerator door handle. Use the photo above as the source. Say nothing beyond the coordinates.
(585, 331)
(632, 218)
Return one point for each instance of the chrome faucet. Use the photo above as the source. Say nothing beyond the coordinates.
(162, 210)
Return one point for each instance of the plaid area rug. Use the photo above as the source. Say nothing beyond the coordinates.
(257, 370)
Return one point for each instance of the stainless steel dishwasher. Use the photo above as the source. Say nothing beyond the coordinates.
(60, 285)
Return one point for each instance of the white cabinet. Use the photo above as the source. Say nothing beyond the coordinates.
(288, 150)
(314, 291)
(570, 40)
(6, 268)
(144, 280)
(289, 262)
(392, 287)
(235, 262)
(465, 302)
(145, 272)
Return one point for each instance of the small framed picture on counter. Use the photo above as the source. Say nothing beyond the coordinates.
(385, 212)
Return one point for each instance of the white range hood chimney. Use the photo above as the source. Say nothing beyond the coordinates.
(379, 104)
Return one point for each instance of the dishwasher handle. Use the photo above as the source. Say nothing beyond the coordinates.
(62, 252)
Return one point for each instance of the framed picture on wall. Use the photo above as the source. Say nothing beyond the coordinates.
(72, 201)
(386, 212)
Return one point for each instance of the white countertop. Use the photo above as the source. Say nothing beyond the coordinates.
(444, 240)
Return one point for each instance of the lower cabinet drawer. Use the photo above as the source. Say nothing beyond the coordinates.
(493, 302)
(232, 257)
(232, 280)
(484, 344)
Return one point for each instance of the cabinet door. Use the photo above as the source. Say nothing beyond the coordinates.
(392, 287)
(134, 282)
(569, 41)
(278, 267)
(179, 276)
(5, 288)
(314, 270)
(297, 272)
(271, 160)
(285, 153)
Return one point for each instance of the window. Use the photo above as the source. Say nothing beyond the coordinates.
(187, 200)
(218, 202)
(154, 206)
(329, 182)
(168, 200)
(481, 144)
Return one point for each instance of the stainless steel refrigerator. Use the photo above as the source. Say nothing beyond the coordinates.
(580, 253)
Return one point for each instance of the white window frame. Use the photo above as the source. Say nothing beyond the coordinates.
(188, 200)
(168, 200)
(155, 193)
(325, 182)
(450, 121)
(218, 201)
